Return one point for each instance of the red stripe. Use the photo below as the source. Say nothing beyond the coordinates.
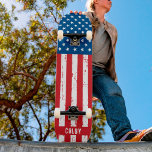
(68, 91)
(80, 82)
(58, 81)
(68, 81)
(80, 90)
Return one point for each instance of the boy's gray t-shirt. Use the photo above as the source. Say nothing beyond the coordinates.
(101, 47)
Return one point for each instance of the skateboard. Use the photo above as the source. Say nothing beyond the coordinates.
(73, 97)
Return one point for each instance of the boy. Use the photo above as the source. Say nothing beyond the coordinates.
(105, 85)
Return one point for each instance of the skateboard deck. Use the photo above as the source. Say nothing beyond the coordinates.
(73, 103)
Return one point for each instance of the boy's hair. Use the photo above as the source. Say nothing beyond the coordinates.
(90, 6)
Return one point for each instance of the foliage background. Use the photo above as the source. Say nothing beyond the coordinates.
(27, 73)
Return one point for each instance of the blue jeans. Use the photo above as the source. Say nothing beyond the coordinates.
(108, 91)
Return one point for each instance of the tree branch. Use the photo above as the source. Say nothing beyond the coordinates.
(8, 103)
(48, 130)
(19, 50)
(25, 74)
(26, 85)
(40, 139)
(13, 124)
(32, 92)
(20, 73)
(44, 25)
(47, 133)
(33, 64)
(54, 17)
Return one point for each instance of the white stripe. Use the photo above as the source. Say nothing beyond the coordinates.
(84, 138)
(85, 89)
(74, 84)
(63, 88)
(61, 138)
(73, 138)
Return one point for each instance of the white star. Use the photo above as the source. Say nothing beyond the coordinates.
(79, 16)
(82, 19)
(86, 28)
(86, 22)
(75, 31)
(75, 25)
(59, 49)
(67, 31)
(75, 19)
(89, 49)
(86, 44)
(82, 49)
(63, 44)
(82, 25)
(67, 49)
(82, 31)
(71, 28)
(79, 28)
(90, 25)
(72, 16)
(71, 22)
(68, 25)
(68, 19)
(67, 40)
(63, 28)
(74, 49)
(82, 40)
(79, 22)
(64, 22)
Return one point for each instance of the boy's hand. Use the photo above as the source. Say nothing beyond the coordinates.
(75, 12)
(94, 99)
(80, 12)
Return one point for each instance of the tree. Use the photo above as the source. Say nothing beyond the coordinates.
(27, 59)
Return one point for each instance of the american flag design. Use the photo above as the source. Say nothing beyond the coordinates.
(74, 79)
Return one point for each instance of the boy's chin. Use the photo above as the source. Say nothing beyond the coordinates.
(108, 9)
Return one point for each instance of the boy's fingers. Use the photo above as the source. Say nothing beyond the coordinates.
(75, 12)
(80, 12)
(94, 99)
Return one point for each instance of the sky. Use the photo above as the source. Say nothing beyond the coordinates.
(133, 21)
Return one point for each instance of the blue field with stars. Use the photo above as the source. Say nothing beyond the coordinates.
(75, 24)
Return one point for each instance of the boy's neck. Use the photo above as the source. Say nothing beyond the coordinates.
(100, 13)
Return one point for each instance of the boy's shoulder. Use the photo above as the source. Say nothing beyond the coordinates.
(93, 19)
(111, 26)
